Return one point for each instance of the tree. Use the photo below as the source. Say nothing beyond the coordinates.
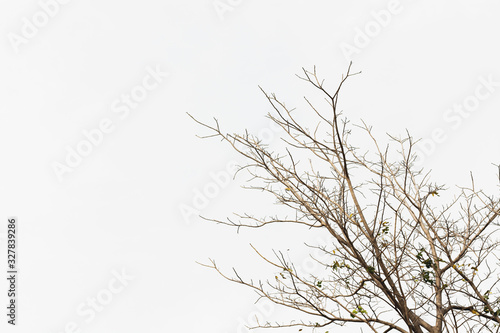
(396, 261)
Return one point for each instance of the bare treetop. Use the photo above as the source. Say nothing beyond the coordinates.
(397, 261)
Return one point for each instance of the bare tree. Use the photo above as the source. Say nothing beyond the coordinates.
(396, 261)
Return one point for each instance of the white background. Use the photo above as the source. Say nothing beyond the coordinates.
(119, 209)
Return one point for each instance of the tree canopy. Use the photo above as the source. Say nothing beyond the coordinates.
(397, 260)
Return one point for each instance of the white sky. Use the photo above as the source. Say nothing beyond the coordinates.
(119, 207)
